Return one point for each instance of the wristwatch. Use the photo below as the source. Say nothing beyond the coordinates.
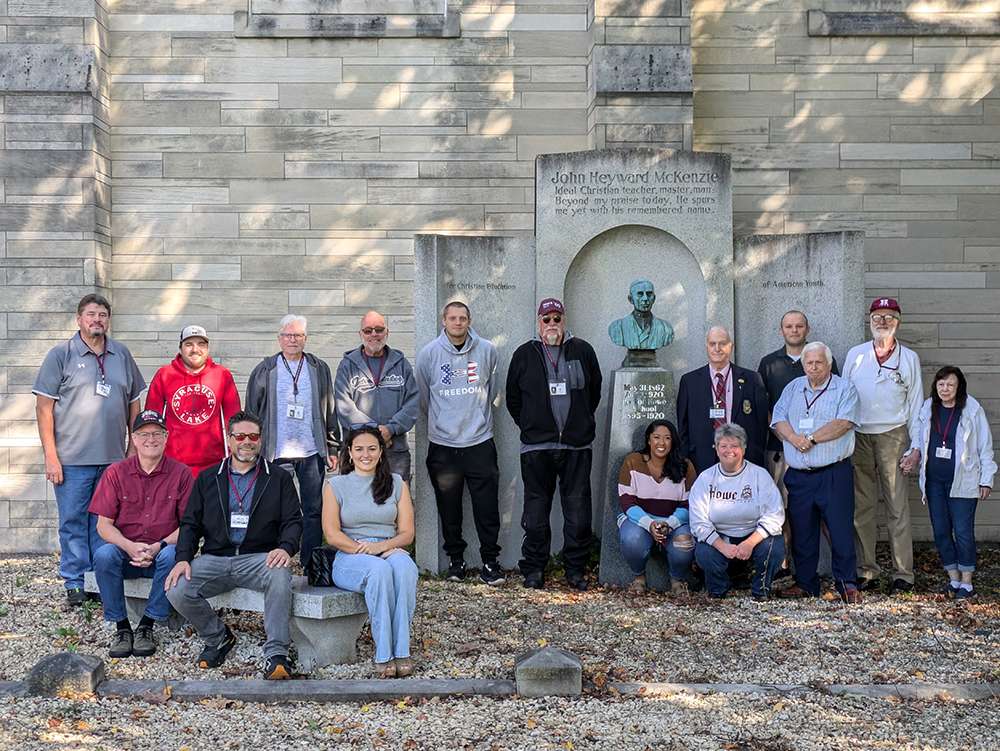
(162, 544)
(811, 439)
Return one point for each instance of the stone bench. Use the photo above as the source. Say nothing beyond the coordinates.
(325, 621)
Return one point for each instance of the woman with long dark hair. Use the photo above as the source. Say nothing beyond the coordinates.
(956, 473)
(653, 488)
(368, 517)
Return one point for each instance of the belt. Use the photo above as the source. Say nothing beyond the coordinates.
(814, 470)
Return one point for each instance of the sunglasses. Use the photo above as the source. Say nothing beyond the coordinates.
(373, 330)
(359, 425)
(254, 437)
(549, 319)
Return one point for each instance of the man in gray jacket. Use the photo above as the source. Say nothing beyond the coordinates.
(292, 392)
(375, 386)
(456, 376)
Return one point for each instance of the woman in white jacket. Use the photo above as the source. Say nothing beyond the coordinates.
(955, 474)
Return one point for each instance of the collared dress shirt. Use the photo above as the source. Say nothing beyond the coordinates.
(839, 402)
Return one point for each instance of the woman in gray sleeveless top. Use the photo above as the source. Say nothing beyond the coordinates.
(368, 517)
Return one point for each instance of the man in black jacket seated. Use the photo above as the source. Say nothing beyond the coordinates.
(553, 389)
(247, 511)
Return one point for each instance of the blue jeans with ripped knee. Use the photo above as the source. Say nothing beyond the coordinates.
(637, 545)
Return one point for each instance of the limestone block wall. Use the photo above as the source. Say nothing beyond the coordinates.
(896, 135)
(54, 225)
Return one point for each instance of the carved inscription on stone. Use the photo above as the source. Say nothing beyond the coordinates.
(634, 194)
(644, 401)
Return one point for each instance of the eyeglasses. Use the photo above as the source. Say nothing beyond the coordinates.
(359, 425)
(151, 435)
(887, 318)
(296, 337)
(254, 437)
(549, 319)
(373, 330)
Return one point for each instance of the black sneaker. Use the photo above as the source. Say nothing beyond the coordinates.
(576, 580)
(866, 584)
(212, 657)
(492, 574)
(76, 597)
(901, 587)
(277, 668)
(456, 571)
(143, 645)
(121, 644)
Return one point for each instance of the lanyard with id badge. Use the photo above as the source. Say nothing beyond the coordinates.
(295, 411)
(942, 451)
(239, 520)
(806, 423)
(718, 410)
(557, 385)
(102, 389)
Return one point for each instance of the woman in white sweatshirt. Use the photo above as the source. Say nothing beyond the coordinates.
(956, 472)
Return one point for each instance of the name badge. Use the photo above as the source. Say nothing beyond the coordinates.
(717, 414)
(239, 521)
(296, 412)
(104, 390)
(942, 453)
(806, 423)
(557, 388)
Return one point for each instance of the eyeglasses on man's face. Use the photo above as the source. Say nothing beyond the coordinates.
(293, 337)
(151, 435)
(889, 318)
(254, 437)
(550, 319)
(373, 330)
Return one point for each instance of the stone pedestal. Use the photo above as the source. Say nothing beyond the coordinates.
(548, 672)
(65, 671)
(637, 397)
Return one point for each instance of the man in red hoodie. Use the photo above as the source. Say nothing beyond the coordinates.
(197, 397)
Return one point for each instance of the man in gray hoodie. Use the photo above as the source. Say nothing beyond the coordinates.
(456, 377)
(375, 386)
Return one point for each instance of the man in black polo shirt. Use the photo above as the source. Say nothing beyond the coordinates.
(777, 370)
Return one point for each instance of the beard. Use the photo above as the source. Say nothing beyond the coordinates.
(553, 336)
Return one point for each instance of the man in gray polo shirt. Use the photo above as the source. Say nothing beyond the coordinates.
(292, 392)
(86, 395)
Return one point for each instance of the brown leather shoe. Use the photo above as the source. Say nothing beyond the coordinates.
(851, 596)
(793, 592)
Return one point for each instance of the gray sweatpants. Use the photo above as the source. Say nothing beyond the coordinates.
(212, 575)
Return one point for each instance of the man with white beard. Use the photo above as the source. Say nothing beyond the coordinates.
(553, 389)
(887, 377)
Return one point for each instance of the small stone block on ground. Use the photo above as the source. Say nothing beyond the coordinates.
(65, 671)
(548, 671)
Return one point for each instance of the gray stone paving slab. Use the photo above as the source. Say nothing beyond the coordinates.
(65, 671)
(548, 671)
(13, 688)
(327, 690)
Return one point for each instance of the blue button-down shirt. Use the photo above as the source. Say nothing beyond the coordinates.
(839, 402)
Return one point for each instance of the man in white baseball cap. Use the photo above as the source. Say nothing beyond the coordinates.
(196, 397)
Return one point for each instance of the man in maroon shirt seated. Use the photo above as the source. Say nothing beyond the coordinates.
(139, 503)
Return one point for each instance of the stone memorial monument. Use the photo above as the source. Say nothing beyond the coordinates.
(606, 221)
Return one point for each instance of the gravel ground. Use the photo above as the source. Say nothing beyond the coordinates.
(471, 631)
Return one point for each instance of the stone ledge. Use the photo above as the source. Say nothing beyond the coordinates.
(822, 23)
(880, 691)
(328, 25)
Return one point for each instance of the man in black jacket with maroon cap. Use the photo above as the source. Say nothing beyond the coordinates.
(553, 389)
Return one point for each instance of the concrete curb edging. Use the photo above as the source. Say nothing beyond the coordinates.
(872, 691)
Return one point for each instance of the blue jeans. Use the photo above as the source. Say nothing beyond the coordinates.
(767, 557)
(637, 544)
(112, 567)
(78, 538)
(310, 472)
(953, 516)
(390, 589)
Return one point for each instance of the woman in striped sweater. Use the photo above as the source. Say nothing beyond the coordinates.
(653, 488)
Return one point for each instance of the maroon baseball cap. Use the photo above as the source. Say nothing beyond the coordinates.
(148, 417)
(885, 303)
(551, 305)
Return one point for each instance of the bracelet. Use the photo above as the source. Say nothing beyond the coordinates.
(162, 544)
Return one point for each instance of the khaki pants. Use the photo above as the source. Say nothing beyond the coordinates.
(876, 464)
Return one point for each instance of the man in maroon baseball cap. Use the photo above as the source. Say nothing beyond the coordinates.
(139, 503)
(553, 389)
(887, 377)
